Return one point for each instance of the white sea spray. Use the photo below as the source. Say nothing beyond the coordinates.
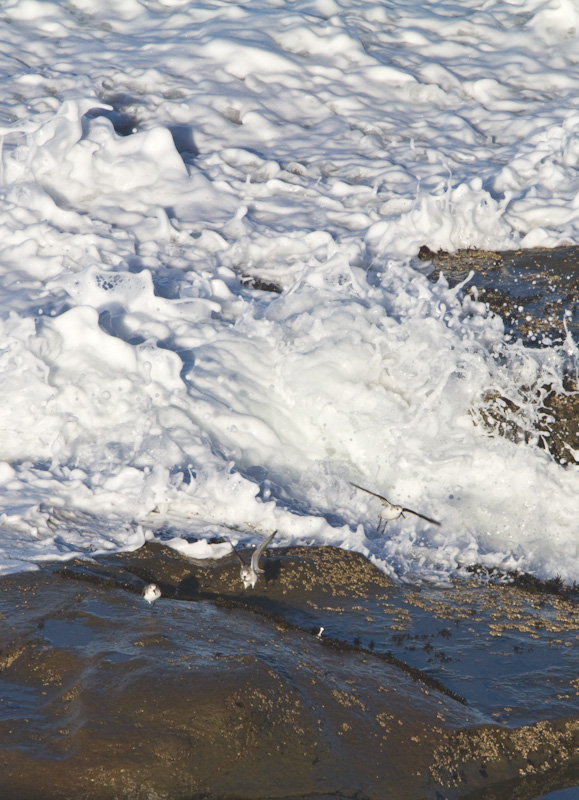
(172, 158)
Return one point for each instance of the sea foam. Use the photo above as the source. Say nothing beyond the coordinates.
(213, 317)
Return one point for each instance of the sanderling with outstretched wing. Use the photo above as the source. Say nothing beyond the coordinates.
(249, 574)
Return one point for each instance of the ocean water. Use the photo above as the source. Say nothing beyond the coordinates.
(213, 318)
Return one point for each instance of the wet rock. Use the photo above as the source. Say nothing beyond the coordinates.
(216, 692)
(533, 290)
(536, 293)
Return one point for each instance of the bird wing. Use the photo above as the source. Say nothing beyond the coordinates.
(236, 553)
(379, 496)
(416, 514)
(259, 550)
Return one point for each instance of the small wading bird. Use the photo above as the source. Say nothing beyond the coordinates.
(249, 574)
(151, 592)
(390, 511)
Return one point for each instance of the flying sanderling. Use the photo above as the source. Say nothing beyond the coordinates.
(390, 511)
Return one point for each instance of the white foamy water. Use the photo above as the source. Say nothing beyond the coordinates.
(163, 160)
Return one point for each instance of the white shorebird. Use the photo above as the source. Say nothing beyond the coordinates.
(151, 592)
(249, 574)
(390, 511)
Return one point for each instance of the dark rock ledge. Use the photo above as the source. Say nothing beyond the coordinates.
(218, 693)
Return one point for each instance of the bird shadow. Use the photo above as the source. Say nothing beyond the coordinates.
(188, 588)
(271, 569)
